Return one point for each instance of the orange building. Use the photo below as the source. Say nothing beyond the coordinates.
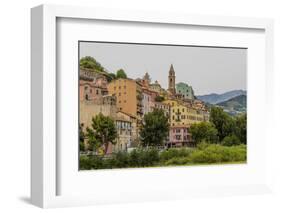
(128, 95)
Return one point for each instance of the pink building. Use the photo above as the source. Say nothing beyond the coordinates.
(179, 136)
(148, 100)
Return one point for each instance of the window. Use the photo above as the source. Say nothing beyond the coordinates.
(119, 93)
(97, 91)
(85, 88)
(86, 97)
(182, 109)
(90, 90)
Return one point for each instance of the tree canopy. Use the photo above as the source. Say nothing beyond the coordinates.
(204, 131)
(223, 122)
(155, 128)
(241, 127)
(234, 128)
(159, 98)
(91, 63)
(121, 74)
(101, 133)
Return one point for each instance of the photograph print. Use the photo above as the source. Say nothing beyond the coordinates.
(161, 105)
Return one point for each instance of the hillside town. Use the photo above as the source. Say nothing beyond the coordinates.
(128, 100)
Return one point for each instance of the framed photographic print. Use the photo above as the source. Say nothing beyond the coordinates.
(149, 106)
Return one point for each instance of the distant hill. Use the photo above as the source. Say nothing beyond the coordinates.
(214, 98)
(238, 103)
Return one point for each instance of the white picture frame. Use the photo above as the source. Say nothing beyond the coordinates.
(45, 169)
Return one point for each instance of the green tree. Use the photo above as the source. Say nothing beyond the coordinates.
(231, 140)
(121, 74)
(81, 138)
(102, 132)
(91, 63)
(112, 76)
(241, 127)
(154, 129)
(204, 131)
(223, 122)
(159, 98)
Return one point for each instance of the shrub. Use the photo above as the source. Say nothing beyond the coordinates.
(203, 154)
(231, 140)
(219, 154)
(121, 160)
(85, 163)
(90, 162)
(175, 152)
(177, 161)
(144, 157)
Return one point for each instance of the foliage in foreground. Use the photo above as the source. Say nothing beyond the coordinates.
(203, 154)
(101, 132)
(155, 128)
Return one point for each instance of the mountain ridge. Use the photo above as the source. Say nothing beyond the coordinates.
(238, 103)
(214, 98)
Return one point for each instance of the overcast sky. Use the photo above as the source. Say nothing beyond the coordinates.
(206, 69)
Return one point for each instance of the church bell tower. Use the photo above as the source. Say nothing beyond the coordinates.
(172, 80)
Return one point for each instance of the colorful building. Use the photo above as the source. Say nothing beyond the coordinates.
(179, 136)
(128, 94)
(182, 115)
(165, 107)
(156, 87)
(185, 90)
(148, 100)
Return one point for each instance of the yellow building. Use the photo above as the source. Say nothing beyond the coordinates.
(128, 95)
(181, 114)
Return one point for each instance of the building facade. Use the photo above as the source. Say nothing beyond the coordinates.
(163, 106)
(182, 115)
(92, 86)
(185, 90)
(124, 127)
(179, 136)
(128, 94)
